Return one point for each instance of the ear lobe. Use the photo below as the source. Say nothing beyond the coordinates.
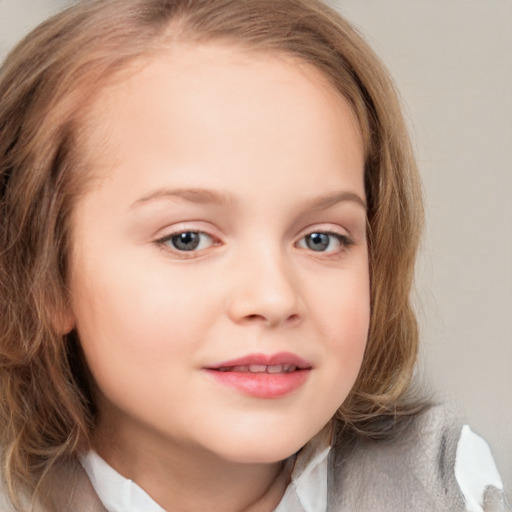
(65, 322)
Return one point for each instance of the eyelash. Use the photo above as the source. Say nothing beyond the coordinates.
(165, 242)
(344, 241)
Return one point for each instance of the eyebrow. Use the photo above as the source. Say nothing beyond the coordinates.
(194, 195)
(207, 196)
(329, 200)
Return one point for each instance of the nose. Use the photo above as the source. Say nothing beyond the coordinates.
(266, 291)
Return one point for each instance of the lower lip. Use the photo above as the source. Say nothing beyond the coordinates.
(262, 385)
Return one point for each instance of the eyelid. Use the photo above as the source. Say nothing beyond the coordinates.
(344, 238)
(162, 241)
(329, 228)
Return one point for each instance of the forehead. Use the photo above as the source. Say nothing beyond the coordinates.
(193, 98)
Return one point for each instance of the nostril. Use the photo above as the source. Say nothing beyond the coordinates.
(293, 318)
(254, 317)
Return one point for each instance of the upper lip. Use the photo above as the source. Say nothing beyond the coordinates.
(282, 358)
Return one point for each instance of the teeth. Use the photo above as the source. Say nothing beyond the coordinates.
(260, 368)
(257, 368)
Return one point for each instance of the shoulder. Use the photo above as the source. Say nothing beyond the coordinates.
(477, 475)
(414, 471)
(66, 489)
(5, 504)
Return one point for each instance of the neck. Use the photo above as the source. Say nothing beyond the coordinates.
(183, 478)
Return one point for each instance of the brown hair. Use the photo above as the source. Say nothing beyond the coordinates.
(46, 407)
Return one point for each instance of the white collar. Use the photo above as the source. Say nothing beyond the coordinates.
(307, 491)
(117, 493)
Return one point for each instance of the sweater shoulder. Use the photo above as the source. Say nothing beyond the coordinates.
(413, 471)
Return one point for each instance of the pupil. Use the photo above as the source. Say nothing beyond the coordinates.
(317, 241)
(186, 241)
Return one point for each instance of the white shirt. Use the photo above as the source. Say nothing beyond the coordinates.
(475, 470)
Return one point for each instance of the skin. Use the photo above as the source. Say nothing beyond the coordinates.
(269, 140)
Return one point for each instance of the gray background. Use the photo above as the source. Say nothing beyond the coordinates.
(452, 61)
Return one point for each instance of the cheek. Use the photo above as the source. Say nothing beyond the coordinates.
(131, 348)
(343, 306)
(138, 323)
(343, 313)
(347, 341)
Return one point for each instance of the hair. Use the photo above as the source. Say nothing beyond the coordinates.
(47, 410)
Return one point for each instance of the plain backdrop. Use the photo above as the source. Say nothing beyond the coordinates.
(452, 62)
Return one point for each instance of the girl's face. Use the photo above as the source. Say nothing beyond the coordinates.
(219, 279)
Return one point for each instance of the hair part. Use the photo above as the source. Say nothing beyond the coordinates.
(47, 84)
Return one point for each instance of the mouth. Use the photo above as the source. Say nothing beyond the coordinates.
(283, 362)
(260, 368)
(263, 376)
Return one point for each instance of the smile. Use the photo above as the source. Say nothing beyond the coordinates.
(260, 368)
(262, 376)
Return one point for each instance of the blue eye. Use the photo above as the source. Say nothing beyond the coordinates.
(324, 242)
(188, 241)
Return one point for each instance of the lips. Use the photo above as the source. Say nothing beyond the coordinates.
(261, 375)
(260, 368)
(255, 363)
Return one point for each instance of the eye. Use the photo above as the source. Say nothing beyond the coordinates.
(327, 242)
(188, 241)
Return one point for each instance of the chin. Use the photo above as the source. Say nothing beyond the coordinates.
(263, 449)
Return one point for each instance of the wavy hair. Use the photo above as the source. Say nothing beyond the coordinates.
(47, 410)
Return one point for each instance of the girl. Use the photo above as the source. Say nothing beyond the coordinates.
(210, 214)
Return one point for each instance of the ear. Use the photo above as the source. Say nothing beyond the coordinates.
(64, 321)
